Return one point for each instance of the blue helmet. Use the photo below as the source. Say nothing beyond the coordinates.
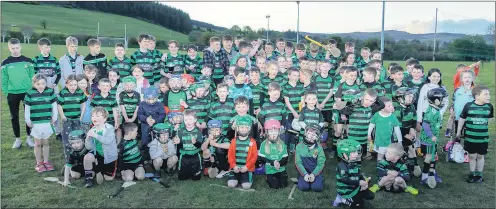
(214, 124)
(150, 92)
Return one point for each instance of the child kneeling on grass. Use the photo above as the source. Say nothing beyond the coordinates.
(101, 140)
(274, 155)
(392, 171)
(242, 156)
(130, 159)
(76, 152)
(310, 160)
(162, 149)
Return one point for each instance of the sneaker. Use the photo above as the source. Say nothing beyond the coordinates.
(471, 178)
(448, 133)
(438, 179)
(337, 201)
(431, 182)
(49, 166)
(479, 179)
(30, 141)
(221, 174)
(417, 171)
(17, 144)
(89, 182)
(156, 174)
(423, 181)
(40, 168)
(411, 190)
(374, 188)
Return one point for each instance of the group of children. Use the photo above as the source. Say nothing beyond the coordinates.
(242, 110)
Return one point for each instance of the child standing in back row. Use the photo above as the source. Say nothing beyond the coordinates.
(96, 58)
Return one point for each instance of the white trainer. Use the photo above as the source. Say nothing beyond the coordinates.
(17, 144)
(30, 141)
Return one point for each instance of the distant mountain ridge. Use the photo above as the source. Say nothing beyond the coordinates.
(395, 34)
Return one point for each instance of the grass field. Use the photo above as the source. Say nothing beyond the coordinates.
(74, 21)
(23, 187)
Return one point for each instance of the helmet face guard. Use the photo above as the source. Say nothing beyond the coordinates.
(273, 128)
(175, 83)
(312, 135)
(437, 97)
(175, 118)
(348, 147)
(76, 140)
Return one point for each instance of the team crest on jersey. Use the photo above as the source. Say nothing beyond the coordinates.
(315, 153)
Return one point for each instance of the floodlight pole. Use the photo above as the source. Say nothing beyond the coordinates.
(125, 36)
(435, 33)
(298, 23)
(382, 32)
(268, 17)
(98, 31)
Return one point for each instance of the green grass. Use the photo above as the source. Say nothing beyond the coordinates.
(75, 21)
(23, 187)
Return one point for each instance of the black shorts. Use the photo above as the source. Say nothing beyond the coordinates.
(327, 116)
(190, 163)
(78, 168)
(423, 149)
(364, 149)
(336, 117)
(241, 177)
(475, 148)
(406, 142)
(130, 166)
(108, 169)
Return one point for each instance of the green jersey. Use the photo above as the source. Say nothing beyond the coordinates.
(374, 85)
(130, 102)
(157, 56)
(384, 166)
(384, 129)
(222, 111)
(476, 121)
(71, 102)
(392, 92)
(48, 66)
(309, 116)
(348, 176)
(200, 106)
(272, 110)
(123, 66)
(147, 63)
(193, 66)
(345, 92)
(319, 56)
(172, 100)
(323, 86)
(171, 61)
(40, 104)
(188, 148)
(309, 160)
(108, 103)
(266, 81)
(17, 73)
(258, 95)
(294, 94)
(130, 152)
(432, 116)
(273, 152)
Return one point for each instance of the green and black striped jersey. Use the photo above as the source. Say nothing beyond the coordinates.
(266, 81)
(157, 56)
(323, 86)
(71, 102)
(242, 147)
(99, 61)
(347, 93)
(272, 110)
(374, 85)
(113, 89)
(172, 61)
(319, 56)
(188, 148)
(147, 63)
(130, 103)
(476, 121)
(222, 111)
(407, 116)
(392, 91)
(48, 66)
(348, 176)
(258, 95)
(130, 152)
(196, 64)
(384, 166)
(200, 106)
(358, 123)
(294, 94)
(40, 104)
(107, 103)
(123, 66)
(309, 116)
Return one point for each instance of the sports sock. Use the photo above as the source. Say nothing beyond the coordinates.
(426, 168)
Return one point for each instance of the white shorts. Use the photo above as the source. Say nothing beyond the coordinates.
(41, 131)
(380, 150)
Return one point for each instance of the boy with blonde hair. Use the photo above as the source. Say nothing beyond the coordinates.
(72, 62)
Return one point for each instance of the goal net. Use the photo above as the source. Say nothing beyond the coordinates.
(111, 41)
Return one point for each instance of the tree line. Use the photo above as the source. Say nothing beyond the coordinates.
(152, 12)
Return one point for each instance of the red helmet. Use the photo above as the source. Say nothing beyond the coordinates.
(270, 124)
(190, 79)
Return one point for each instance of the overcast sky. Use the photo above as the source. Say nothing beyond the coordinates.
(328, 17)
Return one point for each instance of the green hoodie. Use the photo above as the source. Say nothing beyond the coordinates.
(17, 73)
